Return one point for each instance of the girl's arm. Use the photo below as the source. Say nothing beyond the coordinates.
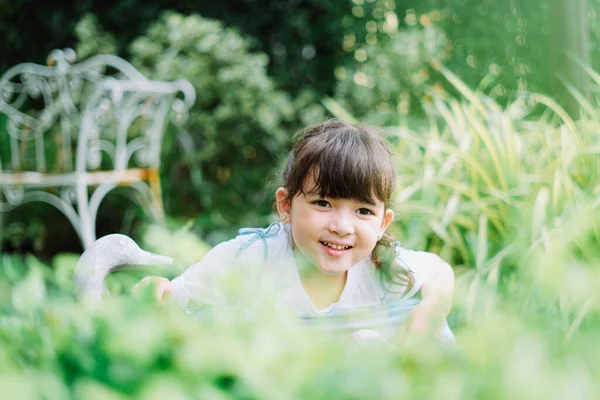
(429, 316)
(199, 283)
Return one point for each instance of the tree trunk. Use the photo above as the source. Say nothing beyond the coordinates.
(569, 44)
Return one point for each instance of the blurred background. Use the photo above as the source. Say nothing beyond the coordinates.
(492, 111)
(377, 60)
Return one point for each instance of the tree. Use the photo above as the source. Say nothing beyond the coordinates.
(569, 49)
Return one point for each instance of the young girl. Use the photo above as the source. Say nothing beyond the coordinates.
(330, 254)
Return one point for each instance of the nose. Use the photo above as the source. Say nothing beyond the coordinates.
(341, 223)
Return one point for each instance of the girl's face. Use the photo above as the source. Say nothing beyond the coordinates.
(333, 234)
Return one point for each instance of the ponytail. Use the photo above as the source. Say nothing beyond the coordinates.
(384, 257)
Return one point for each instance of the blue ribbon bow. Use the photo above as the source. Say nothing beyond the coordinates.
(259, 233)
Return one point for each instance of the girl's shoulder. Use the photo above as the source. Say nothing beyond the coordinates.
(244, 254)
(421, 264)
(417, 259)
(262, 243)
(256, 244)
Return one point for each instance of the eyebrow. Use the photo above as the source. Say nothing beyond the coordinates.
(366, 201)
(357, 199)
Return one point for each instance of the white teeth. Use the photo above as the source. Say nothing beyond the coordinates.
(335, 247)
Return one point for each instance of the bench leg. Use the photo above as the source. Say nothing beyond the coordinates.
(2, 200)
(156, 202)
(1, 230)
(87, 226)
(149, 198)
(64, 202)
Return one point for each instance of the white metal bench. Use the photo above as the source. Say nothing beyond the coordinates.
(70, 133)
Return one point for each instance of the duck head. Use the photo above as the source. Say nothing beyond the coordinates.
(107, 254)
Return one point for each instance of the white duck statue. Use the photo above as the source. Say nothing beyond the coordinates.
(107, 254)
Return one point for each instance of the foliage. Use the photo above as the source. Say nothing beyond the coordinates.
(507, 41)
(385, 52)
(477, 179)
(175, 241)
(505, 48)
(512, 199)
(220, 181)
(92, 39)
(214, 169)
(301, 37)
(544, 326)
(524, 231)
(238, 127)
(391, 63)
(488, 187)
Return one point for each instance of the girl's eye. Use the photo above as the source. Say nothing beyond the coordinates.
(365, 211)
(321, 203)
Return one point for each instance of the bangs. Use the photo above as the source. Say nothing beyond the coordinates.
(345, 162)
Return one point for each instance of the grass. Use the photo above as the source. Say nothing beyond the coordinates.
(512, 201)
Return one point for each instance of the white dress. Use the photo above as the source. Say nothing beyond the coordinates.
(265, 258)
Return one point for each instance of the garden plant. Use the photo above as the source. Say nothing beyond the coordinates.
(509, 198)
(495, 176)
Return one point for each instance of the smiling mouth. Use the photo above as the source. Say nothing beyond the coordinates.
(335, 246)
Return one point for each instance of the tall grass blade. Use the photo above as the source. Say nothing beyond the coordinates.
(482, 240)
(450, 210)
(485, 136)
(448, 118)
(539, 214)
(579, 317)
(463, 89)
(336, 109)
(583, 102)
(563, 115)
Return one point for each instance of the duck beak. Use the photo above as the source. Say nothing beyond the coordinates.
(146, 258)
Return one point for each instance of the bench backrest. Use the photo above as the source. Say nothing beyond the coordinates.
(100, 114)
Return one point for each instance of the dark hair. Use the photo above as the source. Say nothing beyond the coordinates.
(353, 162)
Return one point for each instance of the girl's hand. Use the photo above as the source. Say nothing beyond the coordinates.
(161, 287)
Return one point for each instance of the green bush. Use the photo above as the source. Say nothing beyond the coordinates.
(502, 48)
(488, 188)
(237, 128)
(216, 170)
(92, 39)
(217, 167)
(544, 325)
(388, 83)
(482, 184)
(390, 72)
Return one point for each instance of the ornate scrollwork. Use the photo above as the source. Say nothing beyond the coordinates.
(7, 91)
(104, 106)
(142, 157)
(103, 116)
(34, 84)
(74, 83)
(45, 117)
(61, 59)
(14, 195)
(68, 195)
(90, 110)
(94, 156)
(180, 112)
(53, 86)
